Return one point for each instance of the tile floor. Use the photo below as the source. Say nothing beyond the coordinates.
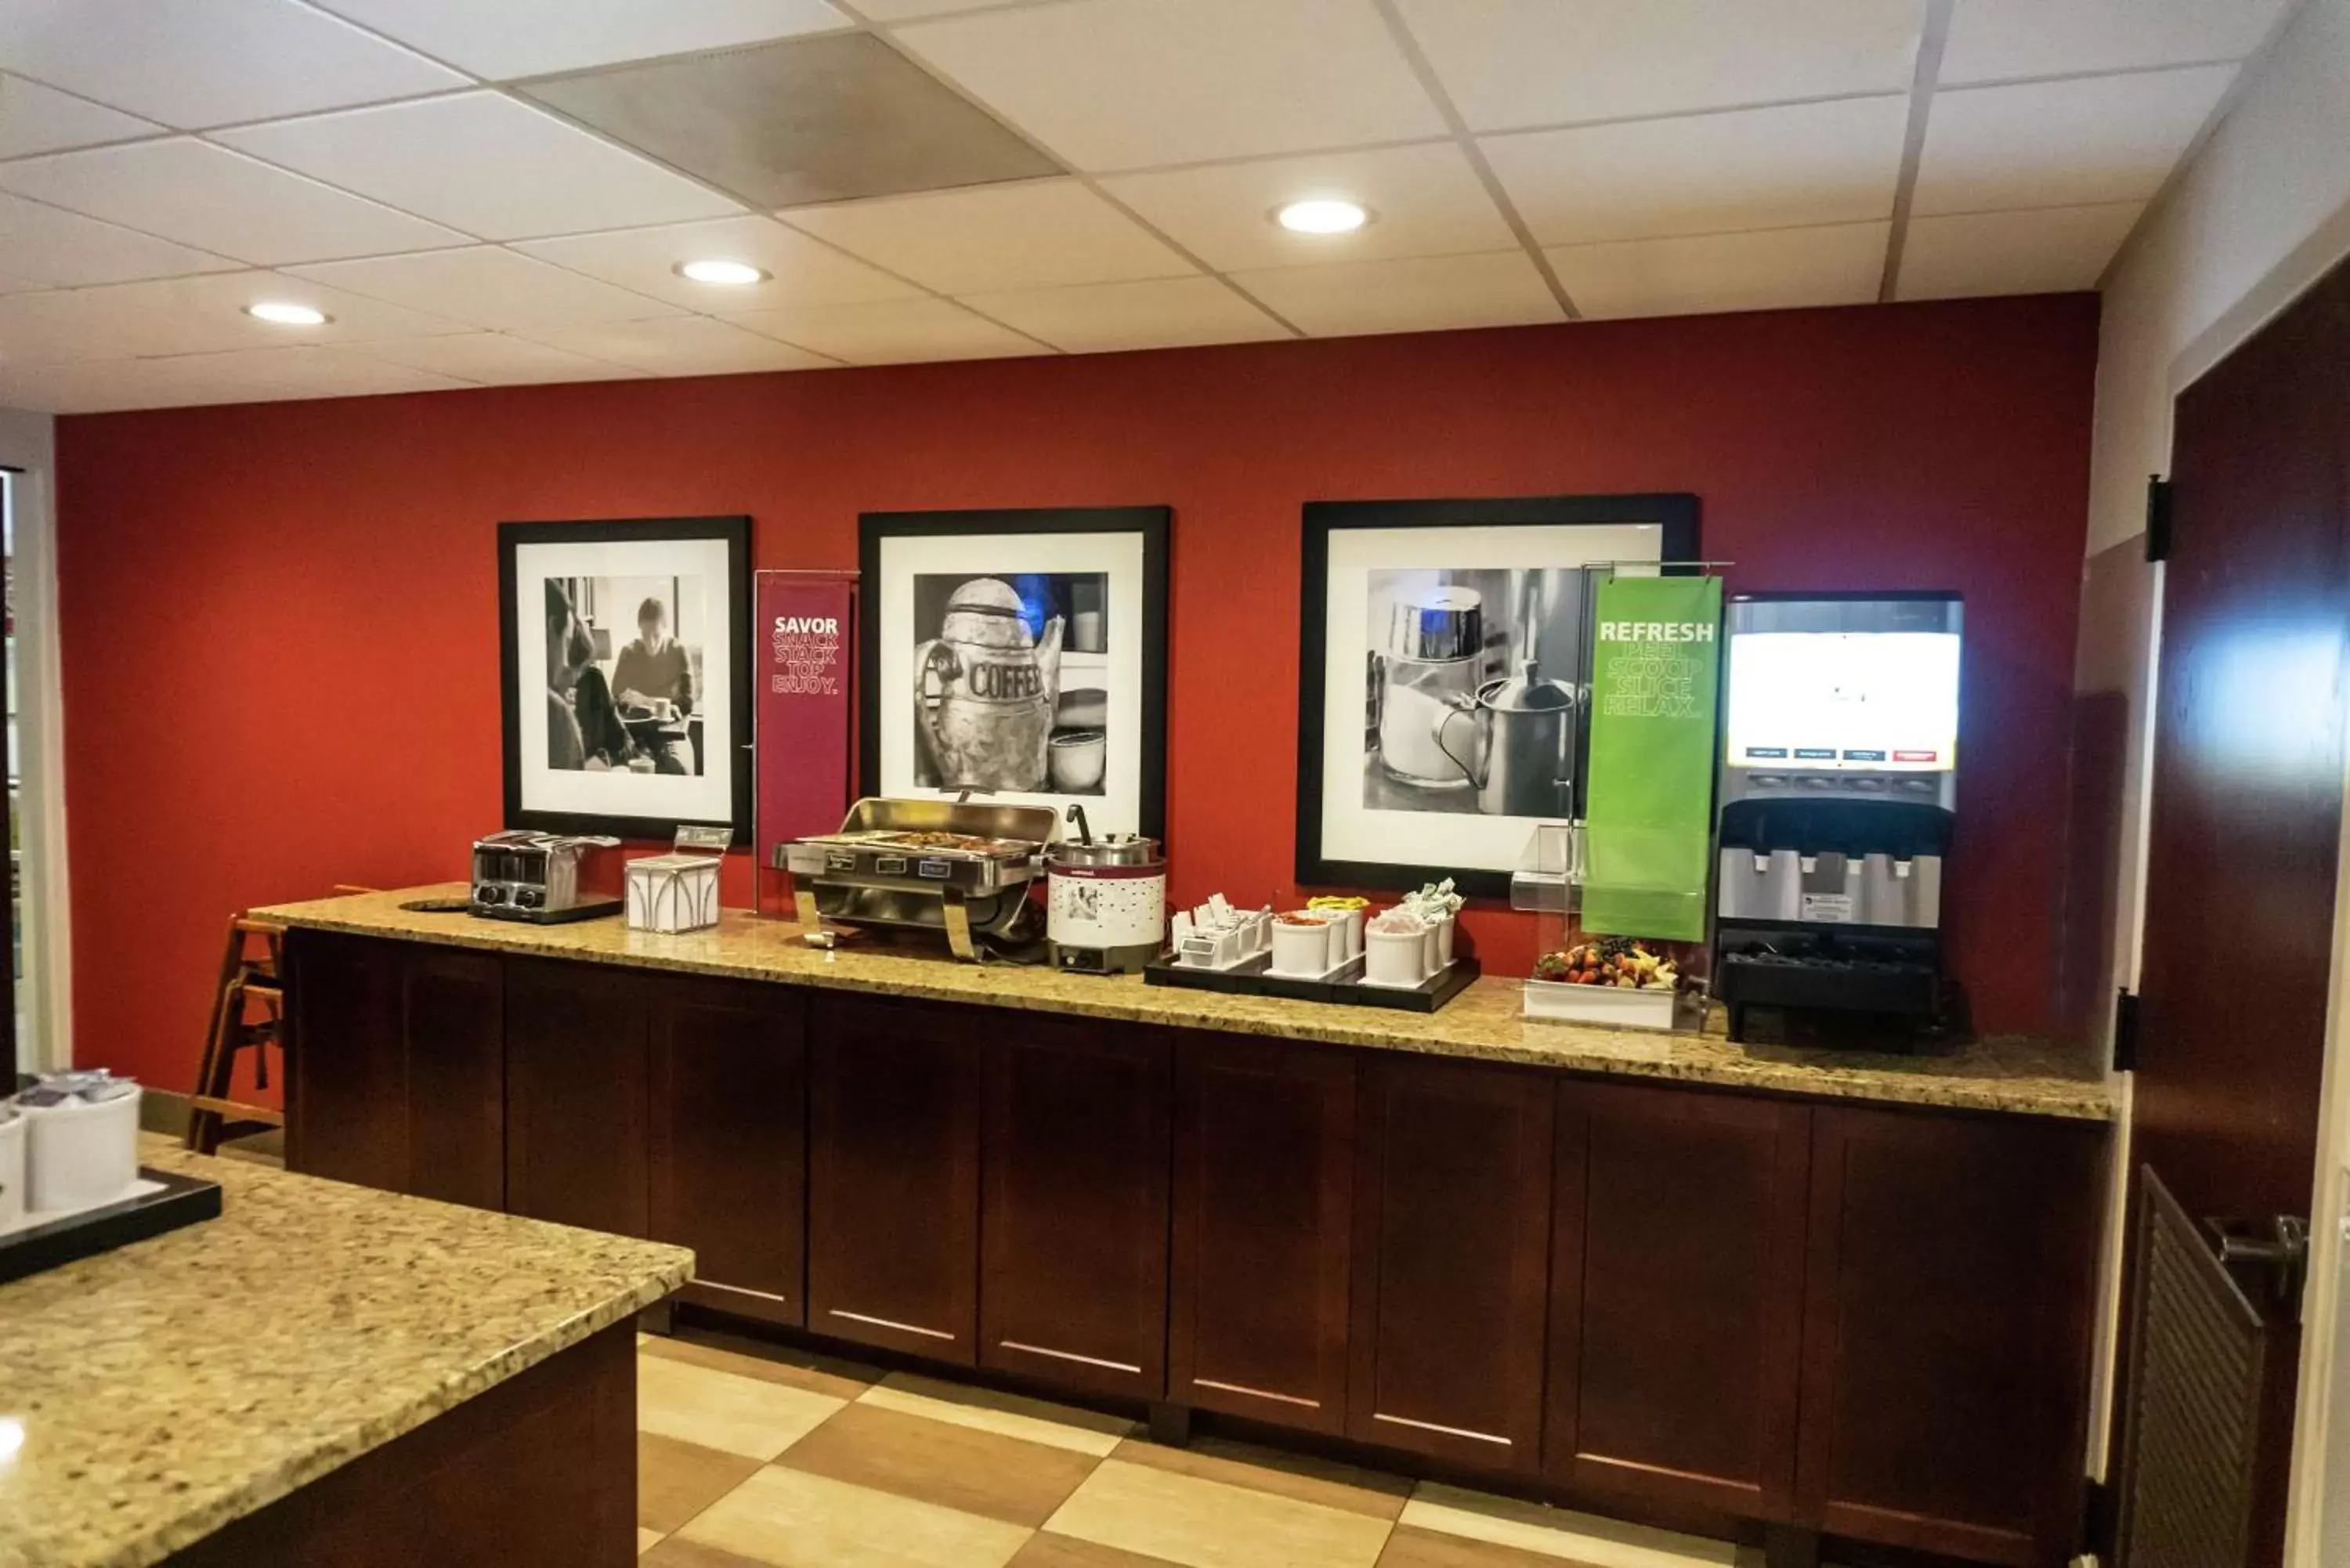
(753, 1456)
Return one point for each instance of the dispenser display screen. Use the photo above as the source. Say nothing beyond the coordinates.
(1873, 701)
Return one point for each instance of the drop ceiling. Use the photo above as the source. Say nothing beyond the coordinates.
(499, 191)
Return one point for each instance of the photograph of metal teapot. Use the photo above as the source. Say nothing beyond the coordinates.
(1009, 689)
(1478, 690)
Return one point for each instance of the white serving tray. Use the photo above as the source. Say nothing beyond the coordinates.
(1615, 1006)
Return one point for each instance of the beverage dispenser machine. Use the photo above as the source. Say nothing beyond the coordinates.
(1839, 787)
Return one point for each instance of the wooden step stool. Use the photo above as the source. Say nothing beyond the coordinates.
(248, 1012)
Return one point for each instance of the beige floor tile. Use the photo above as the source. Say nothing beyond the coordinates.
(677, 1480)
(1007, 1415)
(787, 1365)
(646, 1540)
(964, 1468)
(719, 1410)
(1209, 1524)
(1560, 1532)
(1412, 1547)
(679, 1552)
(1302, 1477)
(1046, 1550)
(788, 1519)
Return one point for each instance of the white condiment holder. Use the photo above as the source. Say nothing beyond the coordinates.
(1217, 936)
(678, 891)
(11, 1168)
(79, 1154)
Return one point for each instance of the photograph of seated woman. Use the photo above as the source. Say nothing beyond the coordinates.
(635, 717)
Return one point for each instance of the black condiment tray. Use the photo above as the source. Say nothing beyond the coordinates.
(1253, 977)
(184, 1201)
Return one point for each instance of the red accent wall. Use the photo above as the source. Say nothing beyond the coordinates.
(280, 624)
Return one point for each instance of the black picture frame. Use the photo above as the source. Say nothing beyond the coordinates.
(1677, 513)
(1153, 523)
(734, 531)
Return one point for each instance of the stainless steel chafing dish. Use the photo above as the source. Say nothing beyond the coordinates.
(958, 867)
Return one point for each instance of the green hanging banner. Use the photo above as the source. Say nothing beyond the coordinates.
(1649, 821)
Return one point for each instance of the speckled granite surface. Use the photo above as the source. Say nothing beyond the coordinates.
(2028, 1077)
(168, 1388)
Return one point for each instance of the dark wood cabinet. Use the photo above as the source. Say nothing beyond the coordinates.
(397, 1078)
(728, 1148)
(1452, 1195)
(1073, 1217)
(1946, 1332)
(576, 1094)
(893, 1176)
(1677, 1294)
(1264, 1229)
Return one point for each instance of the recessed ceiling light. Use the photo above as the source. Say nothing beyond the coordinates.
(281, 313)
(1322, 216)
(725, 274)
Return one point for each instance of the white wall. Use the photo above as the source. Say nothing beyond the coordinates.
(27, 442)
(2262, 213)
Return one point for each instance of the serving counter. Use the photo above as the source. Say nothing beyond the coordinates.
(327, 1373)
(1727, 1287)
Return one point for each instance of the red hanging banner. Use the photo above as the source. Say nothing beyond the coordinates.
(805, 629)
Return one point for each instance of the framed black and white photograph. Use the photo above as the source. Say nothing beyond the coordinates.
(1444, 676)
(1021, 654)
(627, 670)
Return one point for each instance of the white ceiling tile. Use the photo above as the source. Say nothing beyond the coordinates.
(1421, 294)
(1034, 235)
(680, 346)
(484, 163)
(487, 286)
(1710, 173)
(891, 332)
(2047, 250)
(37, 119)
(890, 11)
(2062, 144)
(48, 247)
(267, 375)
(1781, 269)
(190, 315)
(1516, 63)
(801, 271)
(1424, 200)
(510, 38)
(1124, 84)
(1106, 317)
(1995, 39)
(493, 359)
(197, 63)
(219, 200)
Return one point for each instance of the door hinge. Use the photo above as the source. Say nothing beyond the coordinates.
(2157, 517)
(2124, 1037)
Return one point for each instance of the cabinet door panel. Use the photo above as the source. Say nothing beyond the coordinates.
(1677, 1295)
(576, 1095)
(1073, 1284)
(1946, 1332)
(454, 1010)
(729, 1147)
(893, 1177)
(1451, 1261)
(1265, 1180)
(348, 1073)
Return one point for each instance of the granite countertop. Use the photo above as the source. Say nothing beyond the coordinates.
(2013, 1073)
(171, 1387)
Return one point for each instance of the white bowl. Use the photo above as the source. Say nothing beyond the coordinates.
(79, 1155)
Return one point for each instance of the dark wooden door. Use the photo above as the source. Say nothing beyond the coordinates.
(576, 1094)
(1677, 1295)
(452, 1010)
(1947, 1323)
(2246, 791)
(1073, 1221)
(893, 1176)
(1452, 1213)
(347, 1074)
(729, 1141)
(1265, 1182)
